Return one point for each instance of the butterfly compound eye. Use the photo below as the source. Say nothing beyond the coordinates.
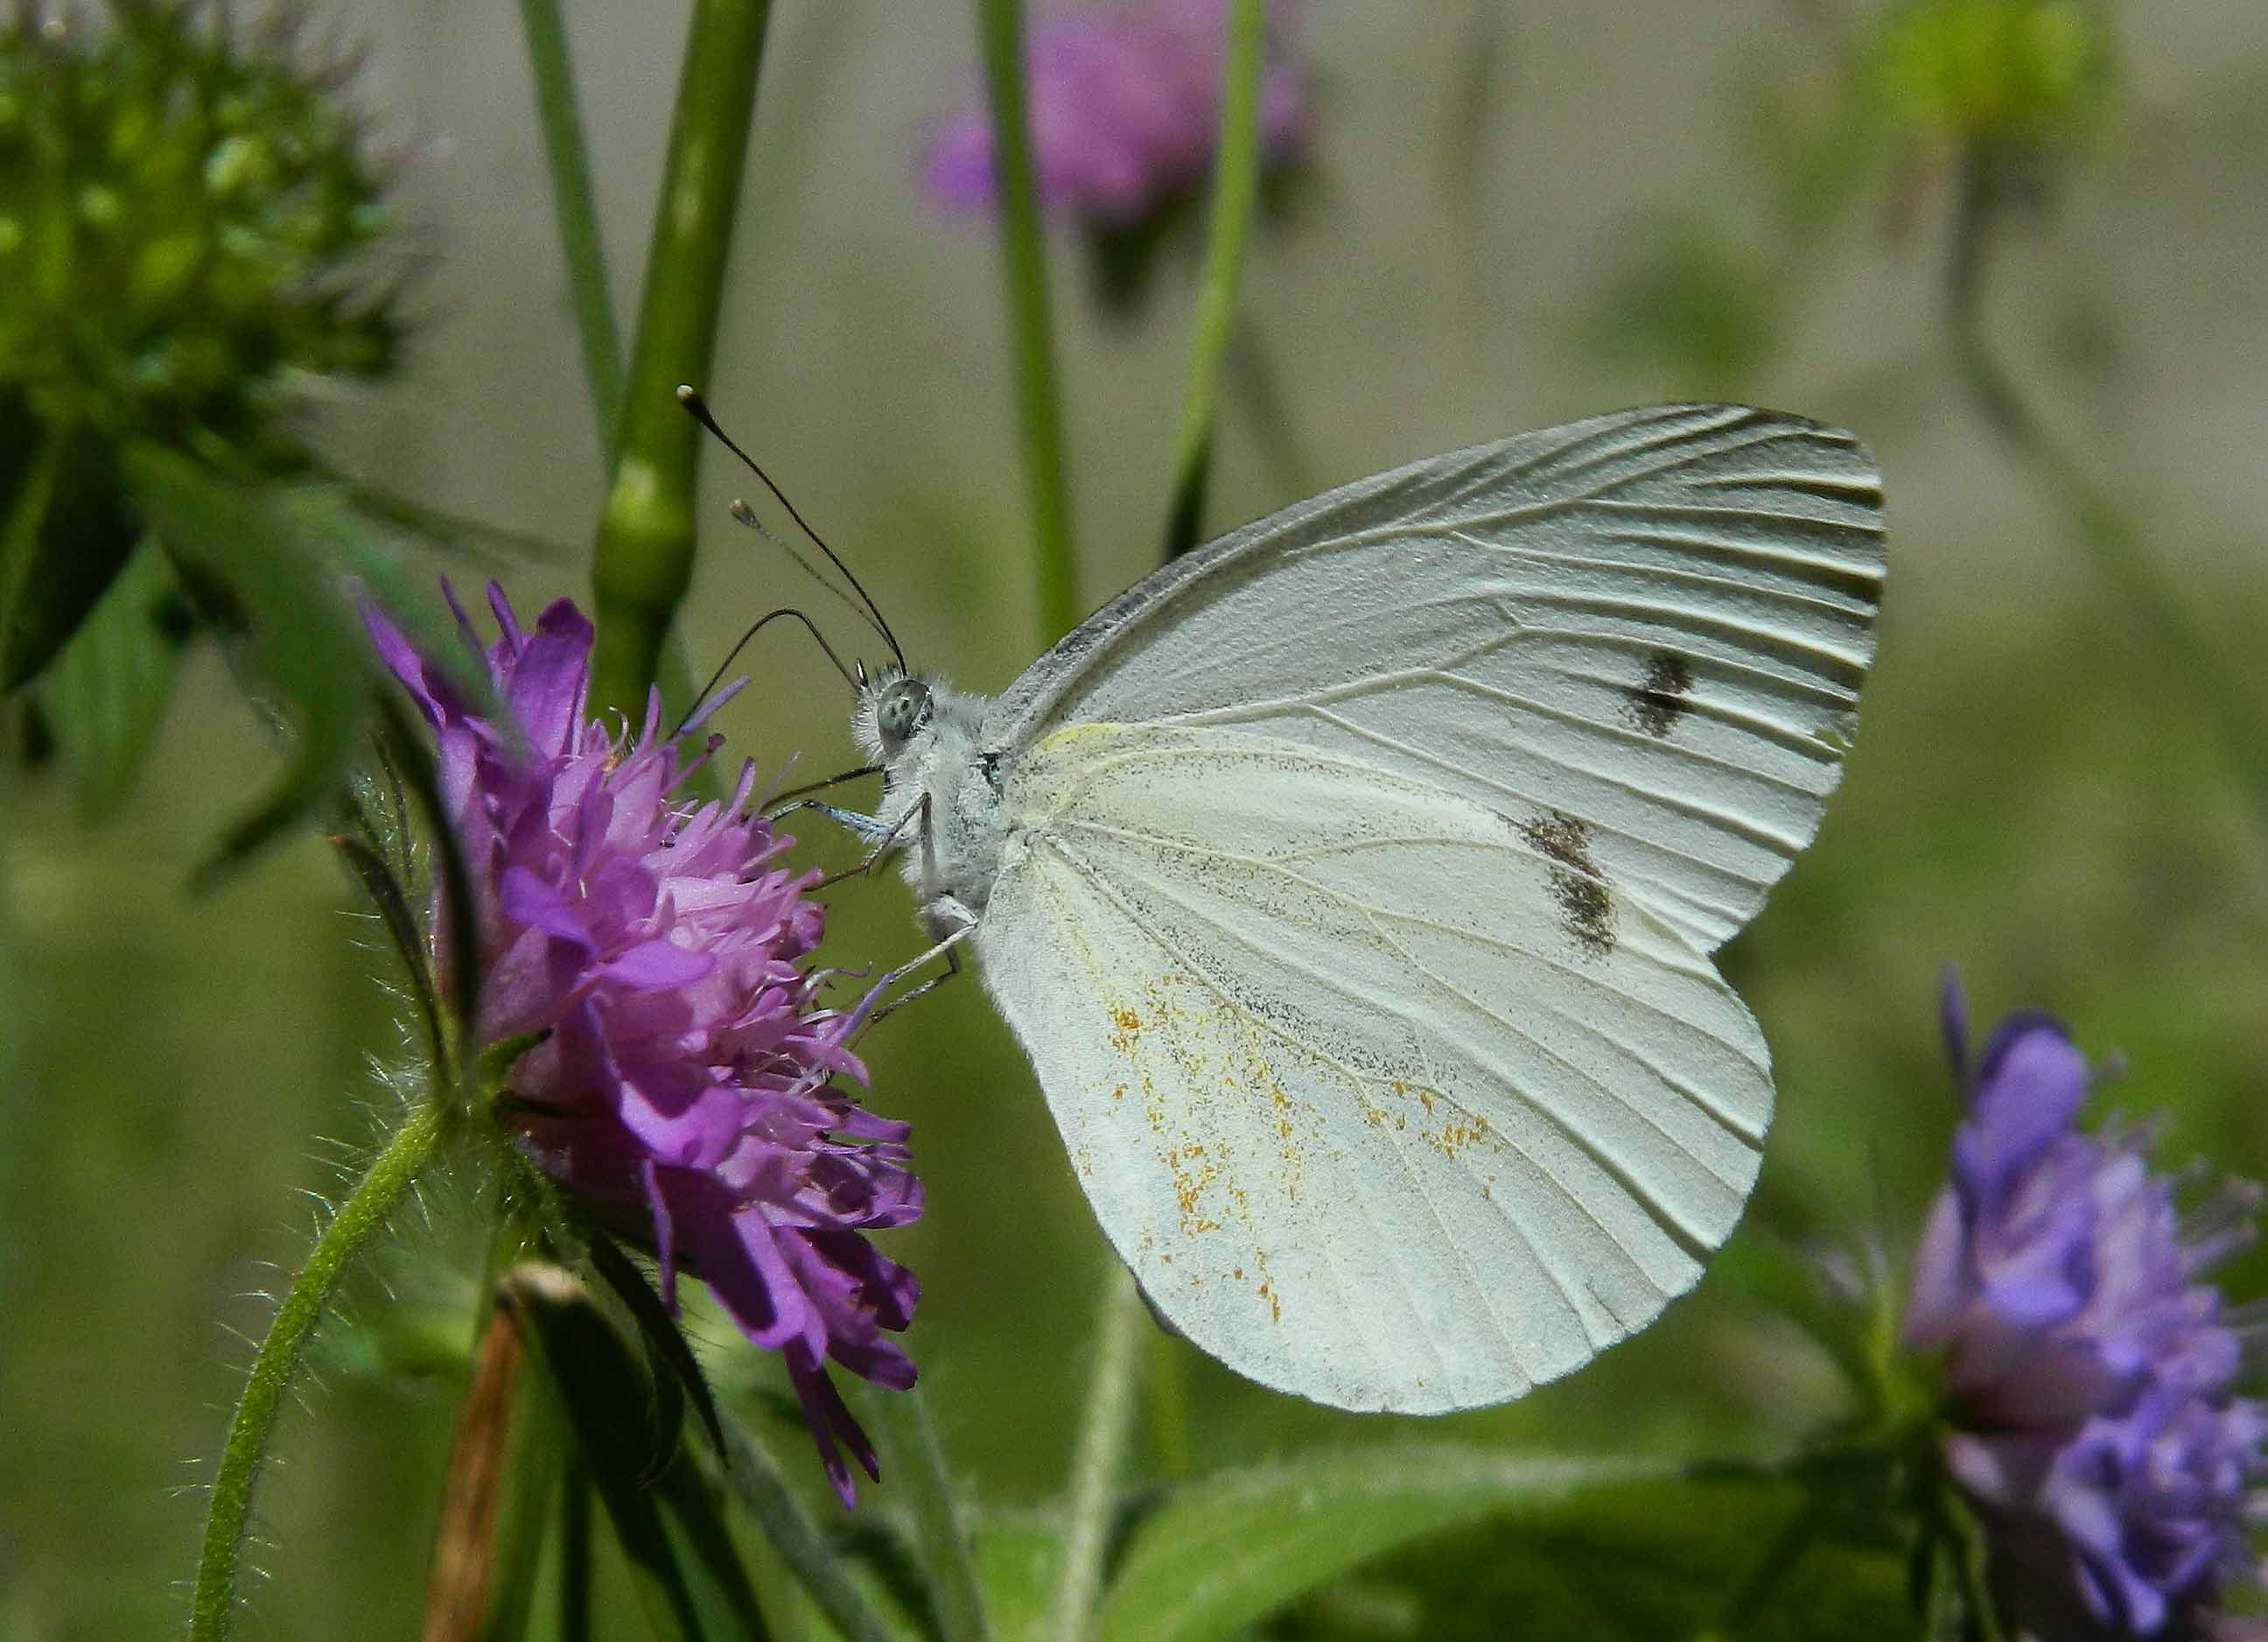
(902, 710)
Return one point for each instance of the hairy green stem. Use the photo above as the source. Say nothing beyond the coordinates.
(573, 204)
(1111, 1397)
(644, 559)
(1235, 194)
(358, 1221)
(1039, 402)
(756, 1481)
(2097, 520)
(948, 1556)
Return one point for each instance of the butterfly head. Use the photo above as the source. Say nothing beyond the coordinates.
(894, 708)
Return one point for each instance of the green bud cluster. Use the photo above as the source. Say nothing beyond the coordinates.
(186, 213)
(2004, 74)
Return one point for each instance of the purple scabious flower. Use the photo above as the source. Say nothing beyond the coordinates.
(683, 1088)
(1123, 106)
(2090, 1379)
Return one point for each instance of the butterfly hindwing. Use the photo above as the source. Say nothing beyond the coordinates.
(1389, 1099)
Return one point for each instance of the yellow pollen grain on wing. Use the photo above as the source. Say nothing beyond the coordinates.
(1193, 1173)
(1267, 1289)
(1456, 1138)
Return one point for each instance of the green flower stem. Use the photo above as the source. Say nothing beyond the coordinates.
(1256, 384)
(946, 1554)
(571, 201)
(2097, 520)
(1972, 1561)
(1039, 402)
(1780, 1560)
(1236, 193)
(359, 1220)
(1165, 1401)
(14, 1107)
(644, 560)
(1102, 1441)
(809, 1554)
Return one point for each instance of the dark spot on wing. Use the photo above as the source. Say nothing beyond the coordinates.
(1659, 700)
(1586, 907)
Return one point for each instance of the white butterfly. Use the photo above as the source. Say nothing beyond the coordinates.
(1351, 883)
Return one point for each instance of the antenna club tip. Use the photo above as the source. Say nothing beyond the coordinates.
(687, 394)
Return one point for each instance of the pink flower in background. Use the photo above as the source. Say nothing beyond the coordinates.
(1124, 109)
(685, 1088)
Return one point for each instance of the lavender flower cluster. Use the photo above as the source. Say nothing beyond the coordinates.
(682, 1087)
(2090, 1378)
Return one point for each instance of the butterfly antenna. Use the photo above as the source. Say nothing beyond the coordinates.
(742, 513)
(757, 626)
(698, 409)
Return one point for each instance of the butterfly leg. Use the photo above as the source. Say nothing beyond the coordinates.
(884, 836)
(869, 828)
(786, 801)
(884, 839)
(962, 923)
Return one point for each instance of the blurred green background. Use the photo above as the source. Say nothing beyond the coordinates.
(1520, 212)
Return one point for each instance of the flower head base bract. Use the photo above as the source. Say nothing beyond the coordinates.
(683, 1090)
(1124, 104)
(2089, 1376)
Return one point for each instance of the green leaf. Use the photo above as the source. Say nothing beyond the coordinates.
(324, 518)
(1231, 1550)
(668, 1359)
(1753, 1559)
(683, 1563)
(1018, 1555)
(105, 693)
(475, 542)
(851, 1587)
(1018, 1559)
(235, 543)
(1768, 1270)
(67, 532)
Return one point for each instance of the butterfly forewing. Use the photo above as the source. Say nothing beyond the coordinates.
(1655, 622)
